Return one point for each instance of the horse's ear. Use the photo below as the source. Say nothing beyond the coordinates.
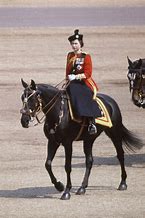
(25, 85)
(139, 64)
(33, 85)
(129, 61)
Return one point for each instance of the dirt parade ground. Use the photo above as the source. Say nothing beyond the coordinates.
(40, 54)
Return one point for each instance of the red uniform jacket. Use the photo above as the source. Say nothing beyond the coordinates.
(81, 63)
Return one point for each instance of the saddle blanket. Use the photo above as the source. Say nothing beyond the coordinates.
(105, 118)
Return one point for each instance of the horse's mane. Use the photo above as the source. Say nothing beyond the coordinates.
(44, 86)
(143, 62)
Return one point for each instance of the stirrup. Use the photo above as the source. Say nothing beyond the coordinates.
(92, 129)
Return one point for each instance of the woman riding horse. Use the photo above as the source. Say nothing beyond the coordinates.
(61, 130)
(82, 88)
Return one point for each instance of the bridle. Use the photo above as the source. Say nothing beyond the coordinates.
(132, 75)
(136, 78)
(39, 106)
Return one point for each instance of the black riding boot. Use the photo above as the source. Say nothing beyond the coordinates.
(92, 129)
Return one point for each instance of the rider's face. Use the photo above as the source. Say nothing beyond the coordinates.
(76, 46)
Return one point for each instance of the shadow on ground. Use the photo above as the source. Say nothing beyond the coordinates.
(45, 192)
(133, 160)
(31, 192)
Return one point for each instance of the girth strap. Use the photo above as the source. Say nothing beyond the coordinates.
(81, 130)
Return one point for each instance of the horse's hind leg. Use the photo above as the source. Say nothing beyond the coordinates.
(89, 163)
(117, 141)
(123, 185)
(120, 156)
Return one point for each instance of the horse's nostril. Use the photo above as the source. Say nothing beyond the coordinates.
(25, 120)
(25, 125)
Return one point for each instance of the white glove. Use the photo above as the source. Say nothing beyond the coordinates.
(71, 77)
(80, 76)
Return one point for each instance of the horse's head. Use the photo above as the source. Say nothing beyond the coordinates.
(31, 103)
(134, 72)
(136, 77)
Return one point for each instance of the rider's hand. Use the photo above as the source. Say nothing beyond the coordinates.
(71, 77)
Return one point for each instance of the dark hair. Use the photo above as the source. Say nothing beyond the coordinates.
(81, 43)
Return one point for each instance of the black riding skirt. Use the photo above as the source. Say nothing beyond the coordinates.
(82, 102)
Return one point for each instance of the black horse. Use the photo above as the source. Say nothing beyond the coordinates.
(136, 77)
(59, 128)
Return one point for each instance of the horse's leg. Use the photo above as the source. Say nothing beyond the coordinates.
(52, 148)
(68, 158)
(120, 156)
(117, 141)
(89, 162)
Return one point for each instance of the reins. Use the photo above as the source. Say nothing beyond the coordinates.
(138, 84)
(55, 99)
(43, 108)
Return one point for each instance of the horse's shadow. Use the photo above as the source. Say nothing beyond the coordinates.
(31, 192)
(44, 192)
(133, 160)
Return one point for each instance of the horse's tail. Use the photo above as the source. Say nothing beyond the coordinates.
(131, 142)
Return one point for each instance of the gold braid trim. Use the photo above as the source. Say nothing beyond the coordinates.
(72, 60)
(94, 88)
(105, 120)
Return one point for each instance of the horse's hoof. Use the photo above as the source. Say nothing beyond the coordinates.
(59, 186)
(65, 196)
(122, 187)
(81, 191)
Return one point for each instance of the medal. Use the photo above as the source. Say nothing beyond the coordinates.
(79, 67)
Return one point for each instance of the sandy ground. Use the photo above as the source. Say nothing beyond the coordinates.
(25, 188)
(70, 3)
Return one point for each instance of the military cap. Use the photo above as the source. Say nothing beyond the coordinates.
(75, 36)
